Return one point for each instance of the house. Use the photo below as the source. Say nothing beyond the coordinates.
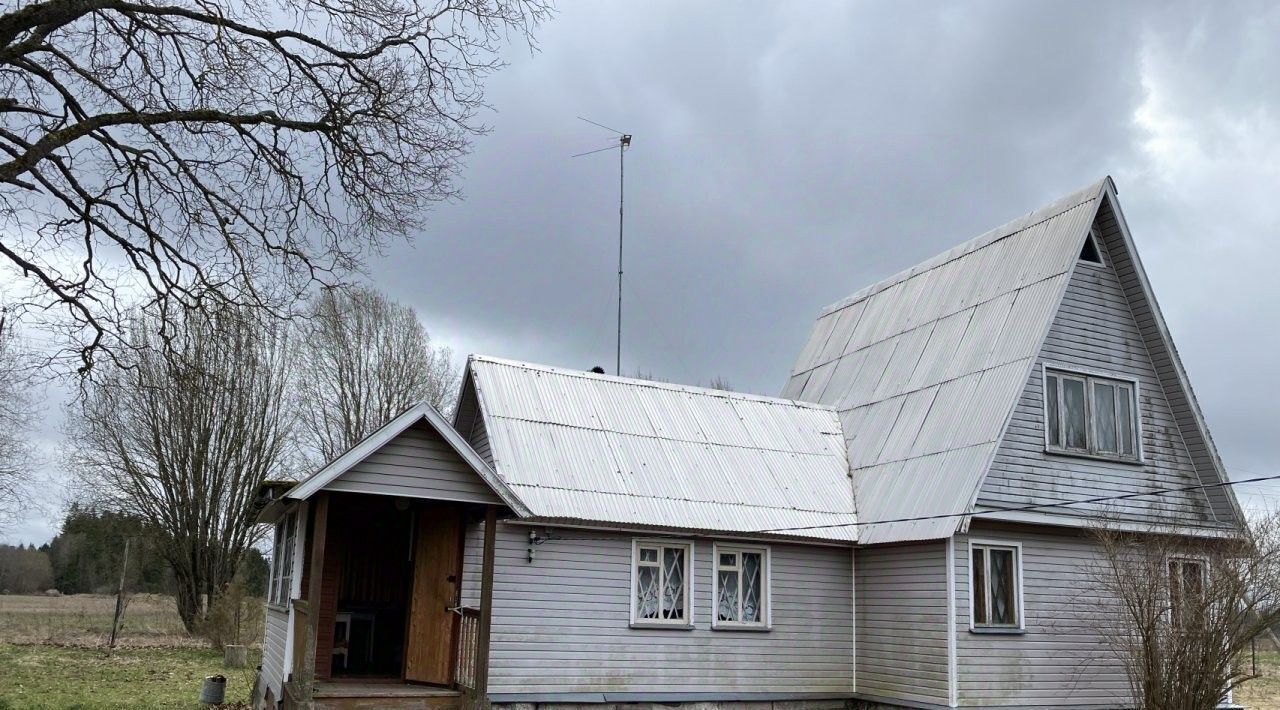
(904, 528)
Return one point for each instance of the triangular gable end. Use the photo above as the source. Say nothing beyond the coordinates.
(1108, 322)
(416, 455)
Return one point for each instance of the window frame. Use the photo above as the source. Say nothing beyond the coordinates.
(1201, 560)
(282, 555)
(766, 587)
(1091, 377)
(660, 543)
(1019, 606)
(1096, 237)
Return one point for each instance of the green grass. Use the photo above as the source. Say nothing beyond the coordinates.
(66, 678)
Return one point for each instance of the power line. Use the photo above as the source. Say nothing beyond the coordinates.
(1037, 506)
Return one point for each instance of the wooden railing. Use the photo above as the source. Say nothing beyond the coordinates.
(468, 633)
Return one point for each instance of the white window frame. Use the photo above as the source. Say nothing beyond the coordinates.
(1019, 607)
(1089, 377)
(1095, 237)
(687, 545)
(766, 586)
(283, 551)
(1202, 560)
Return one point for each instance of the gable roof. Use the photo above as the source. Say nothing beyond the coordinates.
(926, 366)
(578, 446)
(427, 414)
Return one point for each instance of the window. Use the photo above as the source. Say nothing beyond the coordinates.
(995, 586)
(1090, 251)
(1090, 415)
(740, 587)
(662, 579)
(282, 560)
(1187, 578)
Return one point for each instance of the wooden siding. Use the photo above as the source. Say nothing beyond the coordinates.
(561, 623)
(1095, 329)
(1060, 660)
(418, 463)
(274, 641)
(902, 622)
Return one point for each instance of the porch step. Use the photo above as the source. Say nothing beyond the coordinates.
(377, 696)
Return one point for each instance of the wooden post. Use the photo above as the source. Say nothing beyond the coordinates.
(319, 528)
(486, 608)
(115, 622)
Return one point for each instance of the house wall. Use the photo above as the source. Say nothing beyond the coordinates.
(901, 593)
(1095, 329)
(1062, 658)
(275, 639)
(418, 463)
(561, 625)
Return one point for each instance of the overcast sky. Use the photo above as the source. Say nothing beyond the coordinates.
(787, 155)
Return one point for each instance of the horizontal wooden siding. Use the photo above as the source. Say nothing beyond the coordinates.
(418, 464)
(561, 623)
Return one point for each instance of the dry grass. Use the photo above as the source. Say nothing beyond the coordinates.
(85, 620)
(1262, 693)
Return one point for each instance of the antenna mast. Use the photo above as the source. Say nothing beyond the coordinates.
(624, 142)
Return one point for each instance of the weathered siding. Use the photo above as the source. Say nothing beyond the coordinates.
(902, 622)
(1061, 659)
(561, 623)
(418, 463)
(1095, 329)
(274, 641)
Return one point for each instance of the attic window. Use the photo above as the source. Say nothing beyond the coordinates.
(1090, 415)
(1089, 252)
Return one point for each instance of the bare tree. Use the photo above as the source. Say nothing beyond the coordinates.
(365, 360)
(183, 439)
(17, 457)
(197, 154)
(1187, 610)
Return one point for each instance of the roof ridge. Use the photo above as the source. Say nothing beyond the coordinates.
(670, 386)
(1008, 229)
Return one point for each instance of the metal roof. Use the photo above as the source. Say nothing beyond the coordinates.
(926, 366)
(579, 446)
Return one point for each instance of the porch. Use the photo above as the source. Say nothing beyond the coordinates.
(380, 620)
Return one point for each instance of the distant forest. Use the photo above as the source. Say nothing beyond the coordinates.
(84, 558)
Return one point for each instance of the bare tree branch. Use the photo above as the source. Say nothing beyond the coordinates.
(205, 154)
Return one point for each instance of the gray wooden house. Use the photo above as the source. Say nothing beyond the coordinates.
(891, 532)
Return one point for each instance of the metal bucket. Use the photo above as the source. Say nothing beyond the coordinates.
(214, 691)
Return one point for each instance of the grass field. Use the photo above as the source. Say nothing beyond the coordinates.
(1264, 692)
(47, 677)
(53, 655)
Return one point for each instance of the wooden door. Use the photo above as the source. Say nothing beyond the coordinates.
(437, 569)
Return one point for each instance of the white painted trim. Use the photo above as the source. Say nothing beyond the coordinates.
(1017, 580)
(953, 665)
(1032, 517)
(853, 614)
(304, 516)
(1094, 237)
(962, 525)
(1079, 372)
(1162, 328)
(689, 578)
(375, 441)
(766, 592)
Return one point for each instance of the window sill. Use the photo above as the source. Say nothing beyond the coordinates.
(996, 631)
(741, 627)
(1065, 453)
(278, 607)
(660, 626)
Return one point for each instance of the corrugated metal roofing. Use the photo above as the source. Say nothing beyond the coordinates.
(577, 446)
(926, 366)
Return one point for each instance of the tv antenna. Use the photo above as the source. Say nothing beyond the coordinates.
(624, 142)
